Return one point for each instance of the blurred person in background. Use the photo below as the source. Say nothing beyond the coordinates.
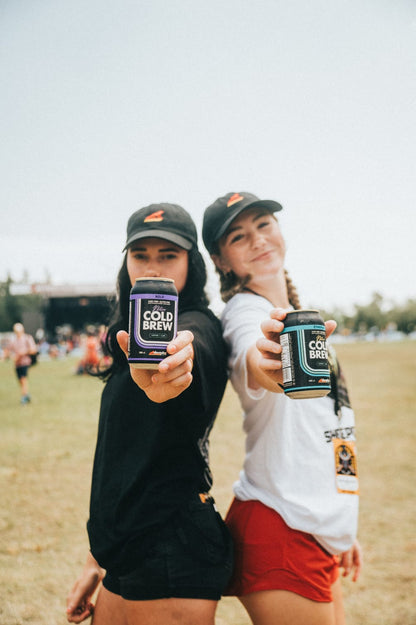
(91, 357)
(22, 348)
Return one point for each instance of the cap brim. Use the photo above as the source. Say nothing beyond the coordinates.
(271, 205)
(160, 234)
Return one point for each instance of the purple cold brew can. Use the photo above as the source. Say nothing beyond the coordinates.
(153, 321)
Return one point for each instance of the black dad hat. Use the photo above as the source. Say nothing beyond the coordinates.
(224, 210)
(164, 221)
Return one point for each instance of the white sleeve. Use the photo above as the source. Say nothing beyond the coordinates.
(241, 321)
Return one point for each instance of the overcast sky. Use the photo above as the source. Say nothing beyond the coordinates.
(109, 106)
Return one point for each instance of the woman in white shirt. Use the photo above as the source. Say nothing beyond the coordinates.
(293, 526)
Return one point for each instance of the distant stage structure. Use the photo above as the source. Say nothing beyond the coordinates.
(73, 305)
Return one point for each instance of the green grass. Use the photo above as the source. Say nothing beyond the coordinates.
(46, 451)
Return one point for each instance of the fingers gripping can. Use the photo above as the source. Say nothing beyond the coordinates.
(305, 365)
(153, 321)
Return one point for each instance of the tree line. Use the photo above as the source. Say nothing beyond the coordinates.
(13, 307)
(376, 316)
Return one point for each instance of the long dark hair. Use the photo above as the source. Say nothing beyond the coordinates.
(192, 297)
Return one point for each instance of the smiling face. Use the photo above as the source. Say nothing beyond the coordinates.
(252, 246)
(157, 258)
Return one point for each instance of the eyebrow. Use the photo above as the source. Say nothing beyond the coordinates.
(232, 229)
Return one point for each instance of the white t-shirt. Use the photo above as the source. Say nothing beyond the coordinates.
(290, 456)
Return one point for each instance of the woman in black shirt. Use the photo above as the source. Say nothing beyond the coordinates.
(157, 543)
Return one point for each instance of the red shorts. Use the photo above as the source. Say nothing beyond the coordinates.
(269, 555)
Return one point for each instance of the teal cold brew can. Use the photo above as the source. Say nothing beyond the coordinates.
(305, 364)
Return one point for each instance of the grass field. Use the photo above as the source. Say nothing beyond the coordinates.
(45, 462)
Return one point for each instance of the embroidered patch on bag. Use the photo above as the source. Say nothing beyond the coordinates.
(346, 466)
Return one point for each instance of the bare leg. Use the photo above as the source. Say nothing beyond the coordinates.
(170, 612)
(338, 602)
(24, 390)
(24, 386)
(109, 609)
(280, 607)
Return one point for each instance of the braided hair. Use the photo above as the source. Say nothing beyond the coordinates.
(230, 285)
(292, 293)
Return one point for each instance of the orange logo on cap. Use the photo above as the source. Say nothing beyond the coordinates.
(157, 216)
(234, 199)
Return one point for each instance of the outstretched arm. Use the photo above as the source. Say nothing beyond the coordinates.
(173, 375)
(78, 603)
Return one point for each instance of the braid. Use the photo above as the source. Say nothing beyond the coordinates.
(292, 293)
(230, 284)
(339, 390)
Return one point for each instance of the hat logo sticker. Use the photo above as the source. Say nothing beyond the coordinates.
(234, 199)
(157, 216)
